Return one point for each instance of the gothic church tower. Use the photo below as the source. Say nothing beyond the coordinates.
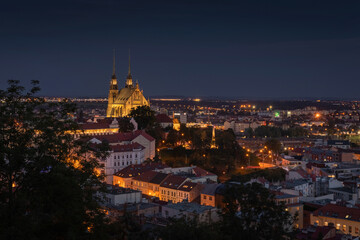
(121, 102)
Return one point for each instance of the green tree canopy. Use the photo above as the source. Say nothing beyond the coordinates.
(47, 178)
(274, 145)
(252, 213)
(144, 116)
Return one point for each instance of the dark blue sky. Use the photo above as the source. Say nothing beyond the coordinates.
(254, 48)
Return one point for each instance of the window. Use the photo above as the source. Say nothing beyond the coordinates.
(114, 164)
(344, 228)
(326, 224)
(210, 198)
(136, 155)
(350, 229)
(204, 196)
(356, 230)
(114, 157)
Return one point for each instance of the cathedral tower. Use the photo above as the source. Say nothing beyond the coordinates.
(113, 90)
(129, 82)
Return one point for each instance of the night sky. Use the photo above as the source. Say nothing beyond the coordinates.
(255, 49)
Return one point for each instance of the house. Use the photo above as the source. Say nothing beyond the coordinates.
(169, 189)
(124, 177)
(121, 156)
(301, 185)
(164, 120)
(292, 205)
(345, 219)
(318, 232)
(208, 194)
(345, 194)
(115, 195)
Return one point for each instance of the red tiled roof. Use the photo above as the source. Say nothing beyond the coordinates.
(144, 134)
(199, 172)
(146, 176)
(336, 211)
(126, 147)
(159, 178)
(138, 169)
(319, 232)
(123, 137)
(187, 186)
(173, 182)
(163, 118)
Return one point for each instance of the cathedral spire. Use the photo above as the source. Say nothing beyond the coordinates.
(129, 82)
(113, 75)
(129, 71)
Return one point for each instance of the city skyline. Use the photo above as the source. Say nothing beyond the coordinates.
(236, 50)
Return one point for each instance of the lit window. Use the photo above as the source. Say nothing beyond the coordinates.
(326, 223)
(344, 228)
(338, 226)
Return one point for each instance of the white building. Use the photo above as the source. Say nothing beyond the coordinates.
(122, 156)
(117, 195)
(138, 136)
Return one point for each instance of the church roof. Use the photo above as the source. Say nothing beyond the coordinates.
(124, 95)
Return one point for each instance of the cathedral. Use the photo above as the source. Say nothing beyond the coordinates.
(120, 102)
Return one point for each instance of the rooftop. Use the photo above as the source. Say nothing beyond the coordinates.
(138, 169)
(336, 211)
(190, 207)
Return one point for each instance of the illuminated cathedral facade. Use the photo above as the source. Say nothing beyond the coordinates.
(121, 102)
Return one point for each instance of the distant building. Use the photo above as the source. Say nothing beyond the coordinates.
(344, 144)
(164, 120)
